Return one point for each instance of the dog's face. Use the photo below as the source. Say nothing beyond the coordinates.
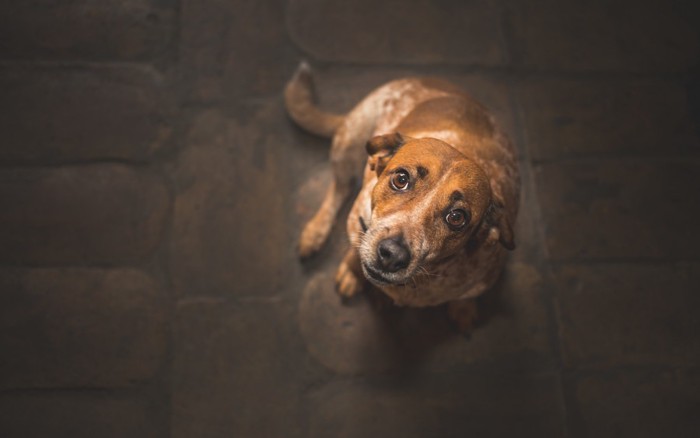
(429, 203)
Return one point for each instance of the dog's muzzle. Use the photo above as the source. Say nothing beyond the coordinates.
(390, 258)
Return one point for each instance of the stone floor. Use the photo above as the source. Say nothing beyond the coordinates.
(152, 189)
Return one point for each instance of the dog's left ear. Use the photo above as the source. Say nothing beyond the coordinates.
(381, 148)
(498, 227)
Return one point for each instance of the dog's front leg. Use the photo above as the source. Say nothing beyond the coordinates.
(319, 227)
(348, 158)
(349, 279)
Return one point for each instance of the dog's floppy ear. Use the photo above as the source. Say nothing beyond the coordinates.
(381, 148)
(497, 226)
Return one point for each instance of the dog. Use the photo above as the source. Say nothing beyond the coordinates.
(440, 189)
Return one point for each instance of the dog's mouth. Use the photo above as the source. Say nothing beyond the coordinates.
(380, 278)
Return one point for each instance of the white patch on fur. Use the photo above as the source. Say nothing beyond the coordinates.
(391, 103)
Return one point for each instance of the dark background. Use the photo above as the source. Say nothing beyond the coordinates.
(152, 190)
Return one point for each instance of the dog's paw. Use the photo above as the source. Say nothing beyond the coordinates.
(311, 240)
(464, 314)
(346, 282)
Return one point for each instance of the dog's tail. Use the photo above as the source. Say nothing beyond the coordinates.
(299, 100)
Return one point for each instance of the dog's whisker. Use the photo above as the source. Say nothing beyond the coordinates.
(427, 273)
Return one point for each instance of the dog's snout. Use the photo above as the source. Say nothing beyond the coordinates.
(393, 255)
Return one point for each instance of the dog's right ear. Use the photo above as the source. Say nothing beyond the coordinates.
(498, 226)
(381, 148)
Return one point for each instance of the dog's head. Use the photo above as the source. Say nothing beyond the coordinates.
(430, 203)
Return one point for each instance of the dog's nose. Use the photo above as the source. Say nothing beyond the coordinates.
(393, 254)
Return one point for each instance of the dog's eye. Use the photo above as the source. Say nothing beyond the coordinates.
(399, 180)
(457, 218)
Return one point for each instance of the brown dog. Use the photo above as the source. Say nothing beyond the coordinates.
(439, 194)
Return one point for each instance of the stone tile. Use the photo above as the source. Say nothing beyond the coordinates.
(626, 314)
(619, 209)
(618, 35)
(75, 415)
(472, 403)
(237, 370)
(80, 328)
(636, 403)
(58, 114)
(359, 338)
(82, 29)
(579, 118)
(234, 230)
(391, 32)
(73, 215)
(528, 238)
(232, 49)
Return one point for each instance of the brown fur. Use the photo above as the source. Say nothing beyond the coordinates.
(455, 159)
